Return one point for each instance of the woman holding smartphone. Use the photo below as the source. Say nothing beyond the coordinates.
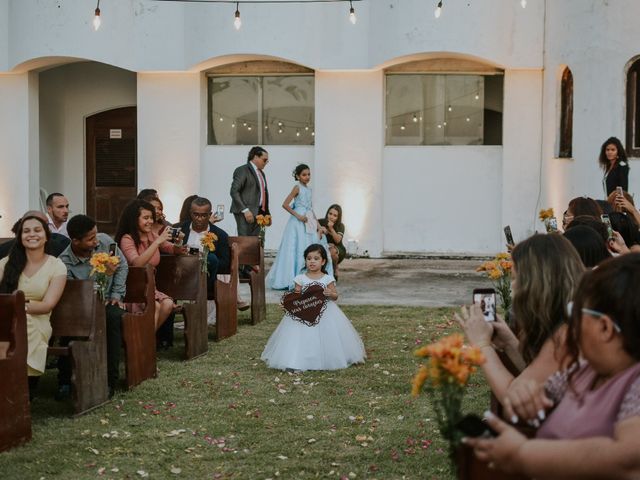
(141, 246)
(546, 272)
(594, 429)
(614, 164)
(331, 226)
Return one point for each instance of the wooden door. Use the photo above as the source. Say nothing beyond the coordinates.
(111, 165)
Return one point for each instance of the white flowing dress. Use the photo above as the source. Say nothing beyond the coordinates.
(331, 344)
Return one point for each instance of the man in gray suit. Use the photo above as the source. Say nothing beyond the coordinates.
(249, 192)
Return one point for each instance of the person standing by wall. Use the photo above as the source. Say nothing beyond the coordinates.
(613, 161)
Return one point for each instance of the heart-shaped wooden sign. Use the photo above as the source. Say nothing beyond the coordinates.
(307, 306)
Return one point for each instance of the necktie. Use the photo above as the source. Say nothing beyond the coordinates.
(263, 195)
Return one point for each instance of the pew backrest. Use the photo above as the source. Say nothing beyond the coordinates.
(74, 315)
(179, 276)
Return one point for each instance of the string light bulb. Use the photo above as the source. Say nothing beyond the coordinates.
(352, 13)
(438, 11)
(96, 19)
(523, 3)
(237, 22)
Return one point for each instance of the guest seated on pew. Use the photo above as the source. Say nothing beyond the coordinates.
(185, 210)
(218, 261)
(161, 221)
(141, 247)
(546, 272)
(42, 278)
(85, 241)
(56, 244)
(331, 226)
(589, 244)
(593, 430)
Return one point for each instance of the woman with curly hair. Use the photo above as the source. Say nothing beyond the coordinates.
(614, 164)
(42, 279)
(141, 246)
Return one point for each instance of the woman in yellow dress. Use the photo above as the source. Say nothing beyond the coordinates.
(42, 278)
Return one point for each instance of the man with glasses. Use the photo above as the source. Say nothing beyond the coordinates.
(218, 261)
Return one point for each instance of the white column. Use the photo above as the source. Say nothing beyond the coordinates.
(169, 136)
(18, 148)
(348, 160)
(522, 141)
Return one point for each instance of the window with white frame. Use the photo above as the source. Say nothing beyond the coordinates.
(261, 110)
(443, 109)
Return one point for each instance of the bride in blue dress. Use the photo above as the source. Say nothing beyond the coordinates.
(301, 231)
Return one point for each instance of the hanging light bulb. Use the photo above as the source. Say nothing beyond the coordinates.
(450, 108)
(352, 13)
(438, 11)
(297, 133)
(415, 118)
(237, 23)
(96, 19)
(523, 3)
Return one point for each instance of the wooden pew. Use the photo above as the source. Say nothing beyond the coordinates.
(138, 329)
(80, 314)
(15, 416)
(181, 277)
(226, 297)
(251, 252)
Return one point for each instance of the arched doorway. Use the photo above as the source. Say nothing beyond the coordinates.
(111, 165)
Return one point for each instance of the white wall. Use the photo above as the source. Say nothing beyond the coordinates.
(16, 155)
(169, 136)
(596, 44)
(349, 140)
(442, 199)
(69, 94)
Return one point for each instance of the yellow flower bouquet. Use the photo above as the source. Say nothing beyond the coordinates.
(263, 222)
(103, 267)
(499, 272)
(549, 219)
(444, 377)
(208, 245)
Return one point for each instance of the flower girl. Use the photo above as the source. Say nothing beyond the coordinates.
(331, 343)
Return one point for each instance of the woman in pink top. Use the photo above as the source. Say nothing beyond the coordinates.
(594, 429)
(141, 246)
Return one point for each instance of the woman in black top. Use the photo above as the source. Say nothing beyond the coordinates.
(613, 161)
(331, 225)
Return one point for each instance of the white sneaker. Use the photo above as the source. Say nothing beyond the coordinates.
(211, 312)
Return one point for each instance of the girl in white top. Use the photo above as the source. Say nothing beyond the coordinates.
(330, 344)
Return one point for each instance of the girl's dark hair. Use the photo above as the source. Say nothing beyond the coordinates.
(255, 151)
(299, 169)
(185, 211)
(316, 247)
(612, 289)
(338, 209)
(18, 257)
(622, 155)
(585, 206)
(548, 269)
(592, 222)
(128, 223)
(590, 245)
(626, 226)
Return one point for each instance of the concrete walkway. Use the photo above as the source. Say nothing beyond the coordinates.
(411, 282)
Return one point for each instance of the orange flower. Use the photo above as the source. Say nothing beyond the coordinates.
(208, 241)
(544, 214)
(263, 220)
(418, 380)
(495, 274)
(100, 260)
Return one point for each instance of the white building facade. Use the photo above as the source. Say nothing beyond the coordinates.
(431, 133)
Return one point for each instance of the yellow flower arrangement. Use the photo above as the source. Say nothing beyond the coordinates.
(208, 245)
(263, 222)
(545, 214)
(444, 378)
(499, 272)
(103, 267)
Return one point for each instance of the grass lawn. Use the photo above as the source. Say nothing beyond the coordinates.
(226, 415)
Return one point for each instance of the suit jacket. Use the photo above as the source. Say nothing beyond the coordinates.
(245, 190)
(223, 252)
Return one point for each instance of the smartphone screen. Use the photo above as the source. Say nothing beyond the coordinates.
(112, 249)
(220, 212)
(508, 235)
(605, 219)
(486, 298)
(553, 225)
